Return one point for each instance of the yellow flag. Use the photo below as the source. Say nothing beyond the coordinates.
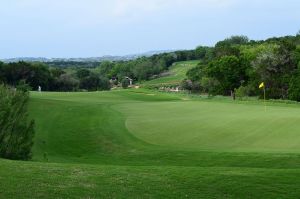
(262, 85)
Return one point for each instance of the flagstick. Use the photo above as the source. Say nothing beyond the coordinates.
(265, 99)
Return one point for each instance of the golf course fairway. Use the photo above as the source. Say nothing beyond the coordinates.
(139, 143)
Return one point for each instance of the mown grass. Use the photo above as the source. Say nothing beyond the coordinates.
(147, 144)
(216, 126)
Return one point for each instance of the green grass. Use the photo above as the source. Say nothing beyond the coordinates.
(147, 144)
(177, 74)
(216, 126)
(49, 180)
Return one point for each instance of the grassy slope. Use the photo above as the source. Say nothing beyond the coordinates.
(101, 158)
(177, 74)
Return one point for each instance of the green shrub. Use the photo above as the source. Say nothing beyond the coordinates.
(242, 92)
(125, 83)
(23, 86)
(16, 133)
(294, 88)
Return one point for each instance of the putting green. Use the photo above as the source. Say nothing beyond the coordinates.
(215, 126)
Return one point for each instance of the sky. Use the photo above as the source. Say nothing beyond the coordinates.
(92, 28)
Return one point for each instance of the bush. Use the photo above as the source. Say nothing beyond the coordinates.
(93, 82)
(125, 83)
(16, 133)
(22, 86)
(294, 88)
(210, 85)
(187, 85)
(242, 92)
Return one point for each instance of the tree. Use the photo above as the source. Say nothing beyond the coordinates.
(14, 72)
(225, 49)
(230, 46)
(196, 74)
(275, 65)
(34, 74)
(200, 52)
(39, 75)
(89, 82)
(297, 55)
(67, 83)
(142, 69)
(105, 68)
(233, 40)
(1, 72)
(228, 72)
(16, 133)
(83, 73)
(104, 83)
(210, 85)
(57, 72)
(294, 87)
(94, 82)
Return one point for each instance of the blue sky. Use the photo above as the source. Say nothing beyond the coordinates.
(86, 28)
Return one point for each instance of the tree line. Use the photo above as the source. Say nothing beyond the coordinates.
(32, 75)
(77, 77)
(237, 66)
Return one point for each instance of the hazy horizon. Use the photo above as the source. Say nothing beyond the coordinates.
(112, 55)
(91, 28)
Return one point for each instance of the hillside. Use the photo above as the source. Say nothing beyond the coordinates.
(177, 73)
(145, 144)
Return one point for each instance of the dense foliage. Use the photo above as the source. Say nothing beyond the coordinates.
(237, 64)
(146, 68)
(51, 79)
(94, 76)
(16, 133)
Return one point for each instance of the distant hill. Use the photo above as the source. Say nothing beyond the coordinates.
(87, 59)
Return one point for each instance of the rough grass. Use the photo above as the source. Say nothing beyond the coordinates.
(146, 144)
(49, 180)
